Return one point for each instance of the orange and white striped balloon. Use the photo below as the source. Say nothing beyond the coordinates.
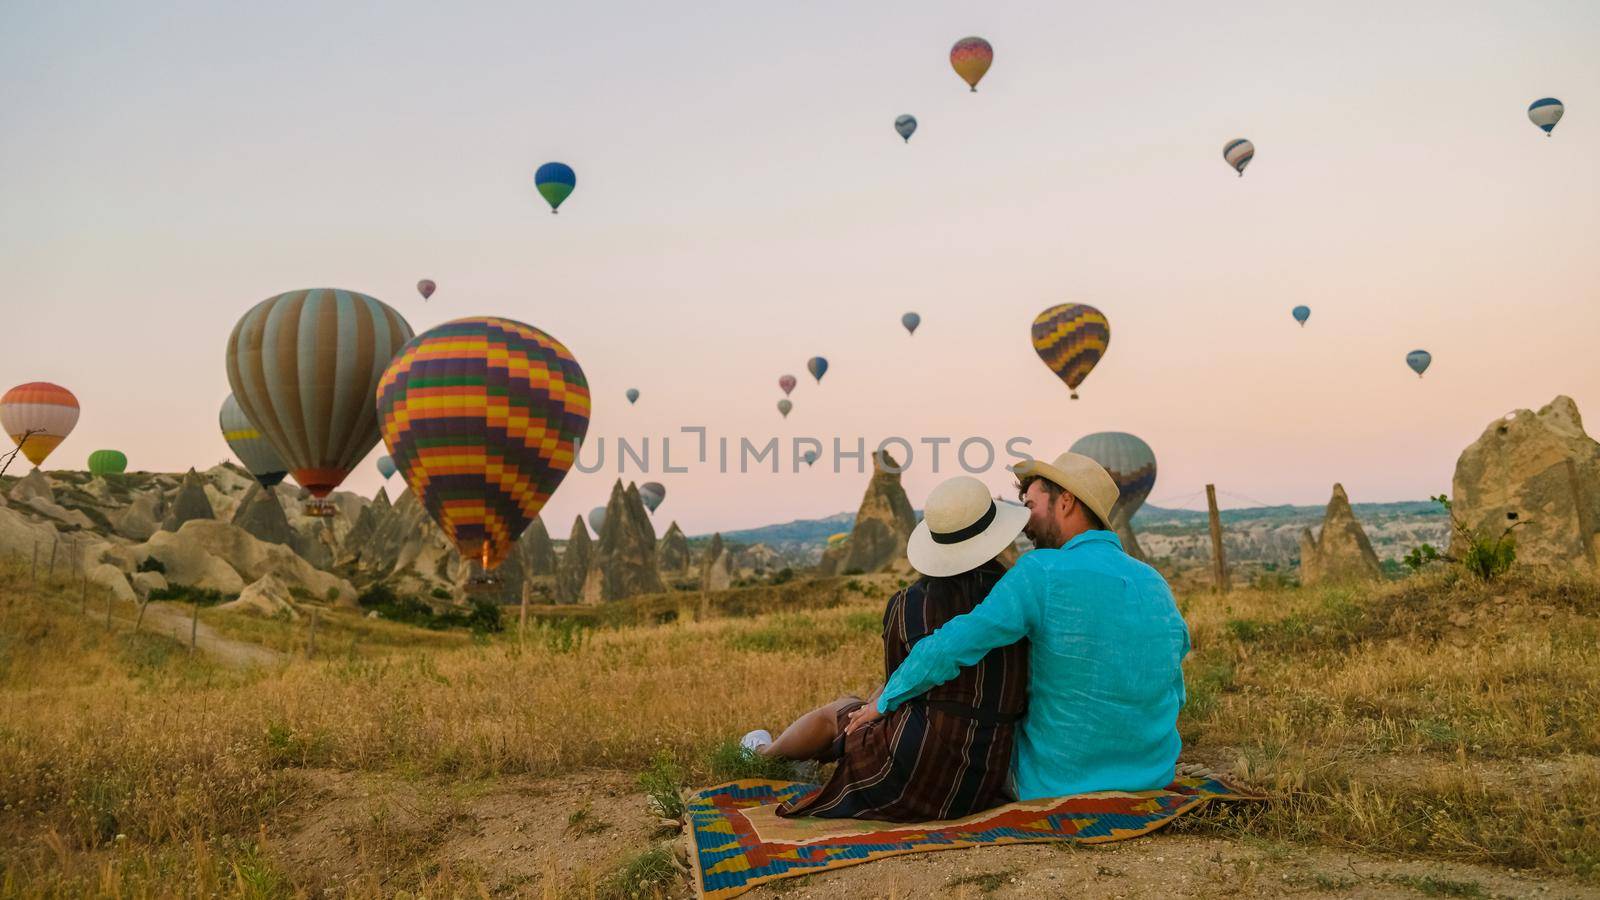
(49, 411)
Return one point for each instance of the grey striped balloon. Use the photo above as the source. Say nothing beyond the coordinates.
(304, 367)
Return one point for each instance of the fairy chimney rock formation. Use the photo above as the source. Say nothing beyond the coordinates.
(1542, 470)
(574, 566)
(624, 562)
(716, 570)
(190, 504)
(883, 524)
(672, 554)
(1341, 553)
(538, 551)
(261, 515)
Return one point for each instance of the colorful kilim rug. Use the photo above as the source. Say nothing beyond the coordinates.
(739, 841)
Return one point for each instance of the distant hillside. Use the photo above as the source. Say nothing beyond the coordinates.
(1154, 518)
(799, 531)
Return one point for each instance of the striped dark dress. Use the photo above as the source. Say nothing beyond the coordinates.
(947, 753)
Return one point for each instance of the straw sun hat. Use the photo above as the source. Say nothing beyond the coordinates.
(1080, 476)
(962, 528)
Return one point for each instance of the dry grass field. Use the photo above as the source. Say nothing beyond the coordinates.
(1440, 732)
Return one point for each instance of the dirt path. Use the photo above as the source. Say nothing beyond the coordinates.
(520, 836)
(175, 621)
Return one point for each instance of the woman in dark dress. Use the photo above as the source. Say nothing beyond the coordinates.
(947, 753)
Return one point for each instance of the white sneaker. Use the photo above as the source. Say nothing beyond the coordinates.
(757, 740)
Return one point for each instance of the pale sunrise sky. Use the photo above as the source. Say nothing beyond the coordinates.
(743, 203)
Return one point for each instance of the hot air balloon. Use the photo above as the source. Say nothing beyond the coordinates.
(810, 457)
(652, 493)
(304, 367)
(1419, 361)
(107, 462)
(818, 367)
(1238, 153)
(835, 540)
(426, 287)
(483, 416)
(1301, 314)
(786, 382)
(911, 320)
(1132, 466)
(597, 518)
(386, 467)
(1546, 113)
(555, 181)
(46, 413)
(906, 126)
(784, 406)
(1071, 338)
(971, 58)
(253, 450)
(633, 396)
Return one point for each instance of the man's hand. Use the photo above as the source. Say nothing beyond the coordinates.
(863, 717)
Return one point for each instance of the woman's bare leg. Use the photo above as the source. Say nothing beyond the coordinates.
(811, 734)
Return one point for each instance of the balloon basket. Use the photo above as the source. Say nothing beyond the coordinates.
(321, 509)
(482, 583)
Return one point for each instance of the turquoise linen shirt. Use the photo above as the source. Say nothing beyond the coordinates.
(1106, 674)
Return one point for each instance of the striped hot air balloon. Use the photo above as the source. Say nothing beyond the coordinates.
(905, 126)
(107, 462)
(483, 416)
(971, 58)
(247, 443)
(304, 367)
(555, 182)
(45, 412)
(818, 367)
(1071, 338)
(1546, 113)
(1238, 153)
(1132, 465)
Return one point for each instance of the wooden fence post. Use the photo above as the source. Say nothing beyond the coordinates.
(54, 546)
(1219, 556)
(194, 627)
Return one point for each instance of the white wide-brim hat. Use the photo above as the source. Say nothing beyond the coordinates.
(962, 528)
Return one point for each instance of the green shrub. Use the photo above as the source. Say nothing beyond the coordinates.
(662, 783)
(191, 594)
(729, 761)
(1486, 557)
(151, 564)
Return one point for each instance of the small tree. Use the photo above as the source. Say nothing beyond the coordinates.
(1486, 556)
(13, 454)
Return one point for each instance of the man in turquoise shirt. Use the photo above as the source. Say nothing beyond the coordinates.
(1107, 645)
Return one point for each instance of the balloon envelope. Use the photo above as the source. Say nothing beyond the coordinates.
(818, 367)
(633, 395)
(906, 126)
(247, 443)
(971, 58)
(1546, 113)
(483, 416)
(1419, 361)
(597, 519)
(555, 182)
(304, 367)
(784, 406)
(1071, 338)
(107, 462)
(426, 287)
(1132, 465)
(652, 493)
(386, 467)
(1301, 314)
(911, 320)
(786, 382)
(48, 411)
(810, 457)
(1238, 153)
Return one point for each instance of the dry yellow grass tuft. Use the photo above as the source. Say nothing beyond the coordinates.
(1435, 717)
